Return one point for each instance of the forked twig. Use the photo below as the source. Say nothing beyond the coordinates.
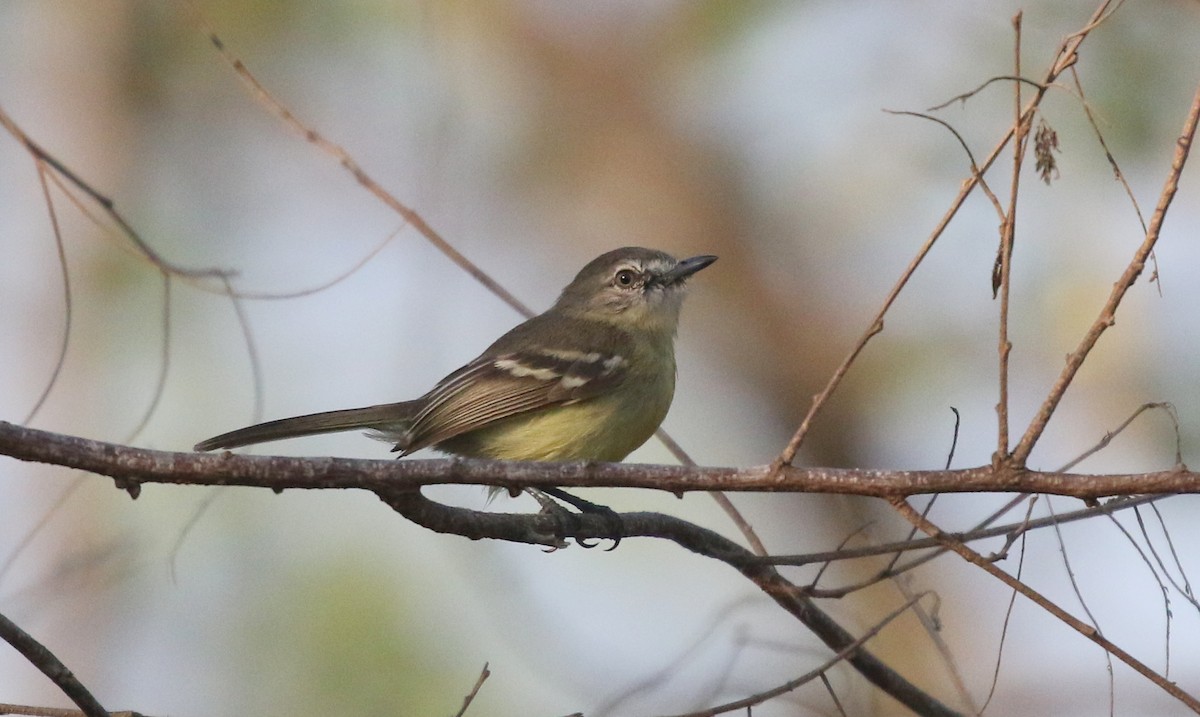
(1107, 315)
(1064, 59)
(109, 206)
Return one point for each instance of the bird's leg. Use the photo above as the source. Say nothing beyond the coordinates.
(611, 518)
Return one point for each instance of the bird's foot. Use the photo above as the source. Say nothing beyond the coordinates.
(615, 528)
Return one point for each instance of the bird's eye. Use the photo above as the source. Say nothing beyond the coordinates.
(625, 277)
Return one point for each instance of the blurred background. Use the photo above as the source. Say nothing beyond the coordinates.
(534, 135)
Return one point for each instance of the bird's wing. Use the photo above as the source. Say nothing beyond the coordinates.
(498, 385)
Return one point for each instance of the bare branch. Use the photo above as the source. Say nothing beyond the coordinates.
(130, 467)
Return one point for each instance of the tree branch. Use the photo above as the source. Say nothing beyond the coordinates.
(131, 467)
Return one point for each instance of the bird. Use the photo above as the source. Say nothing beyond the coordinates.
(590, 379)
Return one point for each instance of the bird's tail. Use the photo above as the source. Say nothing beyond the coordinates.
(388, 418)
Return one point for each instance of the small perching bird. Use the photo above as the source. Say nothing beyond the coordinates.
(589, 379)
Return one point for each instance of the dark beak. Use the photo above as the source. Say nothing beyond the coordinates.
(686, 268)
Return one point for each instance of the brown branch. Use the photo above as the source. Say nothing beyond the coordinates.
(1107, 315)
(396, 483)
(131, 467)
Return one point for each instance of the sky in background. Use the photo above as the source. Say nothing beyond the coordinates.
(533, 136)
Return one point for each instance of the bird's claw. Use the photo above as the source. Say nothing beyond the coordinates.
(612, 519)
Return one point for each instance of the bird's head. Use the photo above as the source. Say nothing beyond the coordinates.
(632, 288)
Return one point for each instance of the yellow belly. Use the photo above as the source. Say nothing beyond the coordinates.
(589, 430)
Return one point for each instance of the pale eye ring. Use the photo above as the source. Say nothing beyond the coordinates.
(625, 278)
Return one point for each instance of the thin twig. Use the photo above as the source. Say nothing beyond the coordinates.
(160, 383)
(966, 536)
(975, 172)
(1015, 79)
(832, 694)
(721, 499)
(483, 675)
(322, 286)
(339, 153)
(1116, 168)
(1094, 622)
(673, 665)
